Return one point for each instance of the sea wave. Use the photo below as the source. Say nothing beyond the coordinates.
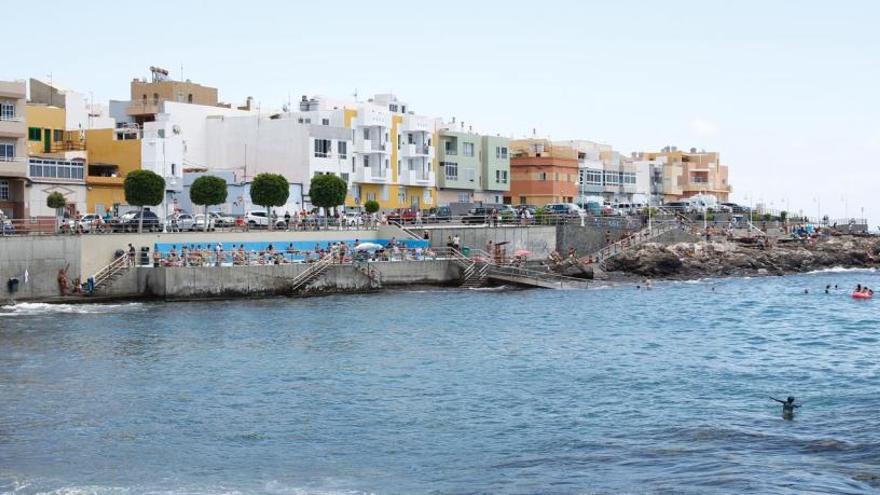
(841, 269)
(34, 309)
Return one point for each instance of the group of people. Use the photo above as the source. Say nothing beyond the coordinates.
(863, 289)
(340, 252)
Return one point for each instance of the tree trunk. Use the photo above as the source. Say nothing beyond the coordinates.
(269, 221)
(141, 221)
(206, 218)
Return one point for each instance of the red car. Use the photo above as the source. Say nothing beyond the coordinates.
(403, 215)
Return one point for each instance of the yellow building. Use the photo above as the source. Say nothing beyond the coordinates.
(46, 132)
(113, 153)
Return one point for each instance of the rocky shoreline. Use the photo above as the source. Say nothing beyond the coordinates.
(724, 258)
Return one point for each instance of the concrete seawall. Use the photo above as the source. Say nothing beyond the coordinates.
(183, 283)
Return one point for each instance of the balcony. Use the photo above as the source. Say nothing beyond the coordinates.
(419, 178)
(14, 127)
(143, 107)
(368, 146)
(14, 167)
(104, 181)
(416, 151)
(371, 175)
(13, 89)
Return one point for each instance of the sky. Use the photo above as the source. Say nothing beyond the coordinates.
(786, 91)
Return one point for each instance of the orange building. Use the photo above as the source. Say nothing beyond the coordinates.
(686, 174)
(541, 173)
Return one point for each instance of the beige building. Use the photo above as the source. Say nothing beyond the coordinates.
(688, 173)
(13, 149)
(148, 96)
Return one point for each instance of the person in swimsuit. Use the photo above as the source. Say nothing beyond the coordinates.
(788, 407)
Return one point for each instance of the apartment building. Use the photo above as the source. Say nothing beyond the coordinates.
(687, 173)
(473, 168)
(13, 149)
(393, 160)
(542, 172)
(147, 97)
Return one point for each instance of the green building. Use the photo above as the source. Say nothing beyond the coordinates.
(473, 168)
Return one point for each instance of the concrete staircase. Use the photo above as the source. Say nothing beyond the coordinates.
(105, 277)
(480, 268)
(636, 239)
(311, 273)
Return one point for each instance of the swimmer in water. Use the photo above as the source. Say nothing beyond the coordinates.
(828, 288)
(788, 407)
(806, 291)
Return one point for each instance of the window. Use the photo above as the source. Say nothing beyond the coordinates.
(325, 121)
(612, 178)
(366, 160)
(173, 169)
(57, 135)
(323, 148)
(366, 133)
(410, 138)
(7, 111)
(467, 149)
(449, 148)
(542, 175)
(344, 177)
(451, 169)
(501, 152)
(371, 196)
(464, 198)
(594, 177)
(4, 189)
(342, 146)
(189, 98)
(401, 196)
(501, 176)
(523, 201)
(392, 107)
(58, 169)
(7, 152)
(35, 134)
(161, 133)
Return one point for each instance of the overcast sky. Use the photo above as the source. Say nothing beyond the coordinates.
(786, 91)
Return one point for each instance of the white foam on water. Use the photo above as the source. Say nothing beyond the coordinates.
(840, 269)
(33, 309)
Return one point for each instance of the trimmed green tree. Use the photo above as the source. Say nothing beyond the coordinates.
(143, 188)
(208, 190)
(371, 206)
(56, 201)
(327, 191)
(269, 190)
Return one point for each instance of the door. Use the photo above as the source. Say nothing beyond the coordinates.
(47, 140)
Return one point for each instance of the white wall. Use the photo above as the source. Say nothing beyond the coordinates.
(38, 192)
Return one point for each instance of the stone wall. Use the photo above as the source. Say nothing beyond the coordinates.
(42, 257)
(538, 240)
(182, 283)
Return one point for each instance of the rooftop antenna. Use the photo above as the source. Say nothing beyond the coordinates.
(355, 94)
(50, 89)
(181, 72)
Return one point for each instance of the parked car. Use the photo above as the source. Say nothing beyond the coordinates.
(439, 214)
(735, 208)
(199, 223)
(563, 210)
(257, 219)
(221, 219)
(129, 222)
(593, 208)
(403, 215)
(478, 214)
(679, 206)
(179, 222)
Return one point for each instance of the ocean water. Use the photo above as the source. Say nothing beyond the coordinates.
(450, 391)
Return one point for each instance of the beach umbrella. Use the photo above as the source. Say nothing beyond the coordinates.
(522, 252)
(368, 246)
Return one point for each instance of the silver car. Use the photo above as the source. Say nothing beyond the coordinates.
(180, 222)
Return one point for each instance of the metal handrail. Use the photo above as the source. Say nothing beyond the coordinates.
(114, 267)
(314, 270)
